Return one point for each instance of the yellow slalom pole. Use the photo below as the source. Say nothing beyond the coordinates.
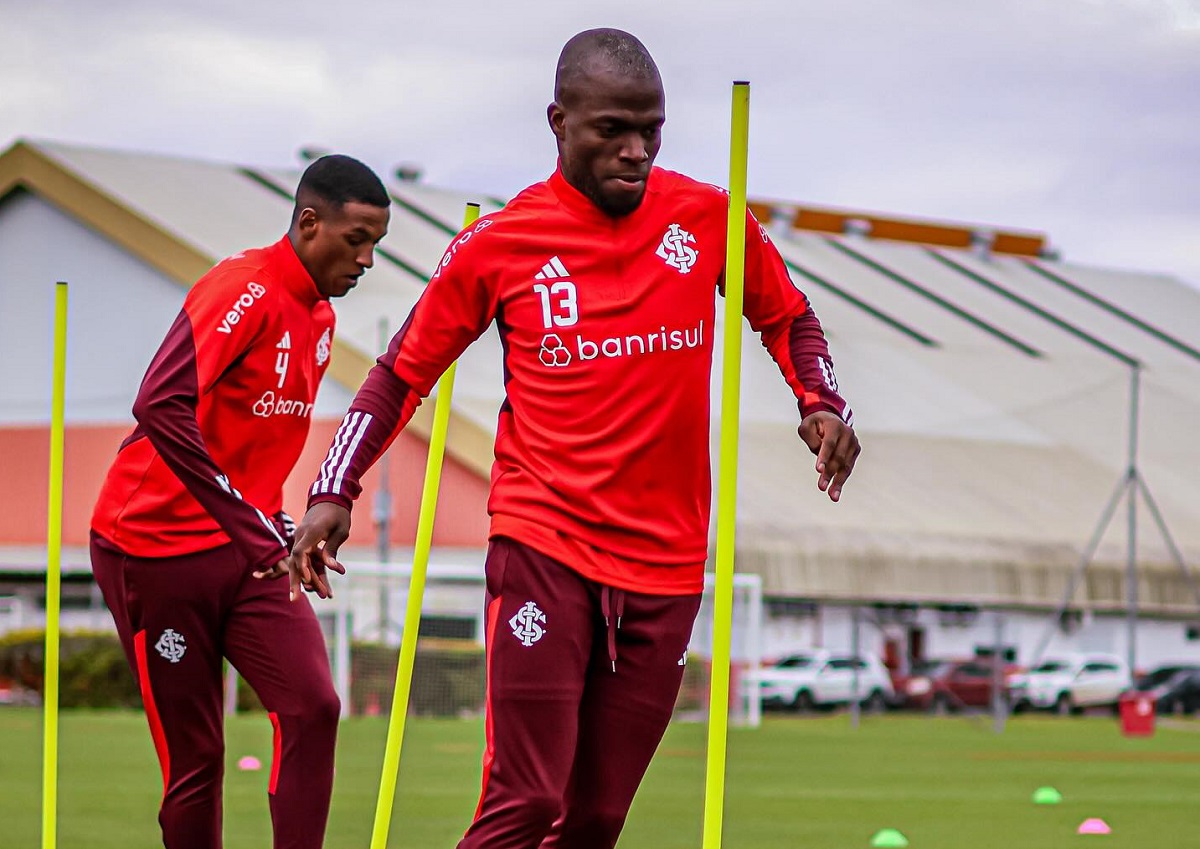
(731, 385)
(416, 592)
(54, 573)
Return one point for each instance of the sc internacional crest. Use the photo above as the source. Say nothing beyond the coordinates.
(677, 250)
(171, 645)
(527, 623)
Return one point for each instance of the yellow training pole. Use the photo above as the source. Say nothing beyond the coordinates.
(731, 385)
(416, 592)
(54, 573)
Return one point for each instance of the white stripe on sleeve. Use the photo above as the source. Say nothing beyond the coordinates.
(340, 439)
(348, 455)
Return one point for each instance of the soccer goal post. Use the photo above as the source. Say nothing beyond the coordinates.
(746, 651)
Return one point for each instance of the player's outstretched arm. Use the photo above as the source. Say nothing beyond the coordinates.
(836, 446)
(454, 310)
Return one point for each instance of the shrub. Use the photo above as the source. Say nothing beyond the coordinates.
(92, 668)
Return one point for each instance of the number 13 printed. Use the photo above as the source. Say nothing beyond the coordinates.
(559, 306)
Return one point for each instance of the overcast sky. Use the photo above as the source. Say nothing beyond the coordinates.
(1079, 118)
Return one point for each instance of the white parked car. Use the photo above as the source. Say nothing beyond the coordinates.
(1070, 684)
(823, 679)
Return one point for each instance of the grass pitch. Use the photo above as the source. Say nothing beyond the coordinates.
(814, 783)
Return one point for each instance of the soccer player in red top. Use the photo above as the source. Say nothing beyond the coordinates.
(602, 282)
(191, 512)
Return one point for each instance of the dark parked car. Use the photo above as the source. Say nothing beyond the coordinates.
(1161, 675)
(1176, 689)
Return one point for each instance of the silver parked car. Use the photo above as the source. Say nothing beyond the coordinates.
(1071, 683)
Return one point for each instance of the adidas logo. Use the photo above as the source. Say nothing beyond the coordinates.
(285, 344)
(552, 270)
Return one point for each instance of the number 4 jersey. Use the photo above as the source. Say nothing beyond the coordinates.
(223, 413)
(602, 453)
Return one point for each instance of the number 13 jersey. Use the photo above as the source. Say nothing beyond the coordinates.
(606, 324)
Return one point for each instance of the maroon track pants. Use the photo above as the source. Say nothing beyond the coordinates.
(582, 681)
(177, 617)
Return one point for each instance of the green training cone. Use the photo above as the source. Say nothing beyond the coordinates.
(1046, 796)
(889, 838)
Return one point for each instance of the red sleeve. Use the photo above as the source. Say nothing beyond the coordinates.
(201, 344)
(454, 310)
(789, 328)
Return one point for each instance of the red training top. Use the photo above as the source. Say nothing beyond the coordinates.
(602, 451)
(223, 413)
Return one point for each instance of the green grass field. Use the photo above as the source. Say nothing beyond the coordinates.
(812, 783)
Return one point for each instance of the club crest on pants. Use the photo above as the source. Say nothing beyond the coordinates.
(525, 624)
(171, 645)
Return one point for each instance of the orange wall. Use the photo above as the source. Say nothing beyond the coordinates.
(24, 456)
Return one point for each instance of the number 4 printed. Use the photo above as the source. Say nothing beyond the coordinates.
(281, 367)
(282, 357)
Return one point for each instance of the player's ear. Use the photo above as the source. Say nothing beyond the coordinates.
(557, 119)
(307, 221)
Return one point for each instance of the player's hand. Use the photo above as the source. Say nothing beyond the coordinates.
(836, 446)
(285, 525)
(277, 571)
(322, 531)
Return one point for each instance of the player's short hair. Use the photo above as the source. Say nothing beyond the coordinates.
(609, 48)
(337, 180)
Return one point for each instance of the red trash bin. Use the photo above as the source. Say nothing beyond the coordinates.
(1137, 714)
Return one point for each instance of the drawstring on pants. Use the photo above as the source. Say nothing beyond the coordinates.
(611, 598)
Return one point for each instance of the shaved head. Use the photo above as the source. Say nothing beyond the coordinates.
(607, 117)
(601, 51)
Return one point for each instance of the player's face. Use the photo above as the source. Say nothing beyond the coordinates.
(608, 135)
(340, 244)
